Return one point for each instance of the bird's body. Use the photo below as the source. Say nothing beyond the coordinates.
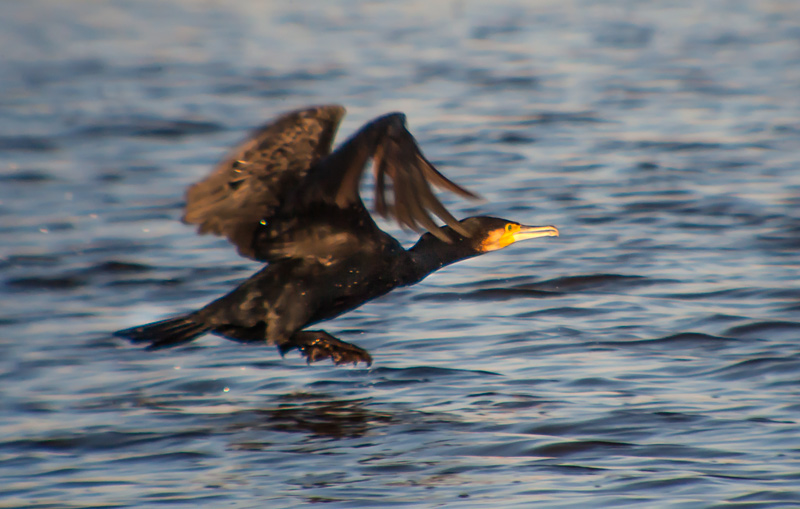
(282, 198)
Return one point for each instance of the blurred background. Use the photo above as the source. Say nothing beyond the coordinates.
(647, 357)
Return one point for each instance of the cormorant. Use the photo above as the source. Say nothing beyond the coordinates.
(282, 197)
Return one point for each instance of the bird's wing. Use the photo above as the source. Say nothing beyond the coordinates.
(396, 154)
(252, 180)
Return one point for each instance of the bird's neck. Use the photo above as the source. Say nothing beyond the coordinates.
(431, 254)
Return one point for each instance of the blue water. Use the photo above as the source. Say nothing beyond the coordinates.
(648, 357)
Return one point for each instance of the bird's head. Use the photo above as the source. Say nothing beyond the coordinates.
(485, 234)
(491, 233)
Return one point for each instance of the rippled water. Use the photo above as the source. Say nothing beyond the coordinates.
(649, 357)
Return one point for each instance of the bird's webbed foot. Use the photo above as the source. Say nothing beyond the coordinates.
(318, 345)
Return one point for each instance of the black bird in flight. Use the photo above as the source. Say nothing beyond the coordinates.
(282, 197)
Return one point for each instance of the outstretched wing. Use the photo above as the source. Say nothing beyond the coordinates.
(386, 139)
(248, 186)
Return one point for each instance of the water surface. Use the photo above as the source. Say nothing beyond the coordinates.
(646, 358)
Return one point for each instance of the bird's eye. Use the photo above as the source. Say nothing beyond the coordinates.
(509, 227)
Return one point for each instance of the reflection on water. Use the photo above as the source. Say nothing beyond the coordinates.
(648, 357)
(313, 414)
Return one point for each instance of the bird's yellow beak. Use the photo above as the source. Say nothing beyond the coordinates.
(523, 232)
(514, 232)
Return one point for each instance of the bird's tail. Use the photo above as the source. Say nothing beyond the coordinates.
(166, 333)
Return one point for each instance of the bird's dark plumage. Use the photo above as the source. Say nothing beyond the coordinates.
(284, 198)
